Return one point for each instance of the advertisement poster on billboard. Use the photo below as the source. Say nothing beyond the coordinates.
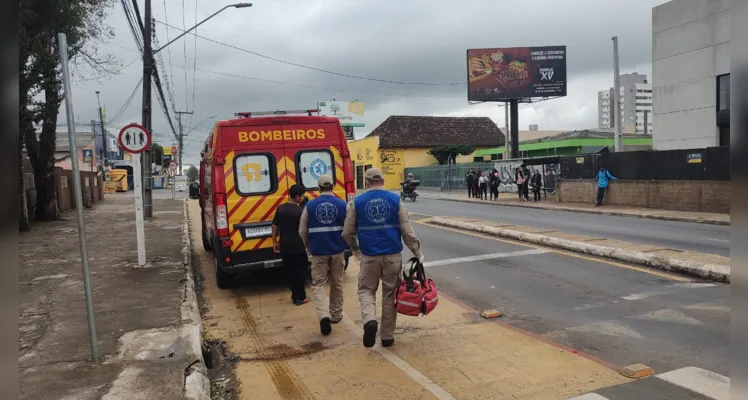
(503, 74)
(349, 113)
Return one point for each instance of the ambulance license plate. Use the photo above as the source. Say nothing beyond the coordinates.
(256, 232)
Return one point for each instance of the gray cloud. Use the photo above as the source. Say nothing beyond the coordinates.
(414, 40)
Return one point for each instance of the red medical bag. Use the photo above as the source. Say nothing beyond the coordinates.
(416, 294)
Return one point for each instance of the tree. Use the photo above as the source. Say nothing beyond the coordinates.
(192, 174)
(446, 154)
(157, 152)
(39, 65)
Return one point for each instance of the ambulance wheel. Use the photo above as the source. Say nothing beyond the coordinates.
(224, 280)
(206, 242)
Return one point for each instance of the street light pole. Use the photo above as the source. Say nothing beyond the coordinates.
(148, 54)
(617, 98)
(103, 132)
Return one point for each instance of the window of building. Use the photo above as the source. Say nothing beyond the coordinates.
(254, 174)
(723, 92)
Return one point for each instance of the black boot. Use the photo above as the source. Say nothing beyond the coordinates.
(388, 342)
(370, 333)
(324, 326)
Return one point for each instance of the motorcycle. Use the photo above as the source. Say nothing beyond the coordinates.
(409, 190)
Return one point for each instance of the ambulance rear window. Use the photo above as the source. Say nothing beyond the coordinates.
(255, 174)
(313, 164)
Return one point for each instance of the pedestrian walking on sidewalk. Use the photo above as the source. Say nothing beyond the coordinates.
(470, 180)
(494, 184)
(536, 181)
(602, 178)
(321, 230)
(376, 225)
(519, 180)
(291, 248)
(526, 184)
(483, 186)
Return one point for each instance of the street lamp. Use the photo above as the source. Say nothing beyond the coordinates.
(148, 53)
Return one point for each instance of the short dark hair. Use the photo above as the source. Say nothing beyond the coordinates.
(296, 190)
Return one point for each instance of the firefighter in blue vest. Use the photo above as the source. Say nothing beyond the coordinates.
(375, 227)
(321, 229)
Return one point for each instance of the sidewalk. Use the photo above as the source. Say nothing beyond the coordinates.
(146, 318)
(549, 203)
(701, 265)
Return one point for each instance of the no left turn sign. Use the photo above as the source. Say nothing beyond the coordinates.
(134, 139)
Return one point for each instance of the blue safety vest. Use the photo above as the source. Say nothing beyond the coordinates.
(378, 223)
(326, 215)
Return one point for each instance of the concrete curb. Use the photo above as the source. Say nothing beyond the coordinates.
(196, 382)
(592, 211)
(714, 272)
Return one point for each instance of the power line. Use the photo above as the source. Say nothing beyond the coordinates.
(394, 94)
(194, 66)
(184, 43)
(168, 53)
(314, 68)
(127, 103)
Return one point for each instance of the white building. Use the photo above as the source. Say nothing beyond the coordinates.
(643, 108)
(636, 104)
(691, 74)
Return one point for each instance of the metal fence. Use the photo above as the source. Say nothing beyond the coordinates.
(447, 177)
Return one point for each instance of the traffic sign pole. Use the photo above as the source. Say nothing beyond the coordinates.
(135, 139)
(139, 225)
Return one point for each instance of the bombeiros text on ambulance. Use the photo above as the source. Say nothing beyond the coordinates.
(278, 135)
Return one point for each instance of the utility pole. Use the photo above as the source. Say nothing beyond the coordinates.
(180, 139)
(103, 132)
(147, 75)
(148, 53)
(617, 99)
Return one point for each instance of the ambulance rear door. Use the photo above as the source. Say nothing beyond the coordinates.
(314, 150)
(256, 179)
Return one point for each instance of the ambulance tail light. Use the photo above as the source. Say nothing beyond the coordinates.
(222, 216)
(350, 186)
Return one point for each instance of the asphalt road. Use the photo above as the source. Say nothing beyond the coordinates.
(677, 235)
(622, 314)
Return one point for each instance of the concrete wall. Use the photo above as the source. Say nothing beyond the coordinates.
(690, 40)
(704, 196)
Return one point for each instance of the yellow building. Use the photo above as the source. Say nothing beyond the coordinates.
(404, 141)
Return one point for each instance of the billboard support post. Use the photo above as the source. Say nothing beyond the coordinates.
(507, 140)
(514, 130)
(617, 98)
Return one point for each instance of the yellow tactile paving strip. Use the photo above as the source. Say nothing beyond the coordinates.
(282, 355)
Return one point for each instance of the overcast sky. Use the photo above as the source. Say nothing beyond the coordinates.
(405, 41)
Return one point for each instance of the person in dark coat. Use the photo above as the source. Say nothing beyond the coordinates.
(494, 184)
(470, 181)
(536, 181)
(526, 184)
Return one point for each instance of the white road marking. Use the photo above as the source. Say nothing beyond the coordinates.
(700, 381)
(670, 316)
(483, 257)
(708, 307)
(427, 383)
(606, 328)
(639, 296)
(589, 396)
(692, 285)
(716, 240)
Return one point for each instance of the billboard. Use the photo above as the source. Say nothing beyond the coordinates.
(503, 74)
(349, 114)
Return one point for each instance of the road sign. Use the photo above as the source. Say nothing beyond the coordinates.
(173, 166)
(174, 150)
(134, 139)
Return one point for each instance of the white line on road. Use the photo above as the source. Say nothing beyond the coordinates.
(700, 381)
(716, 240)
(484, 257)
(589, 396)
(640, 296)
(427, 383)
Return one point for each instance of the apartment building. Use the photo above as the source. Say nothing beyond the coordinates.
(635, 108)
